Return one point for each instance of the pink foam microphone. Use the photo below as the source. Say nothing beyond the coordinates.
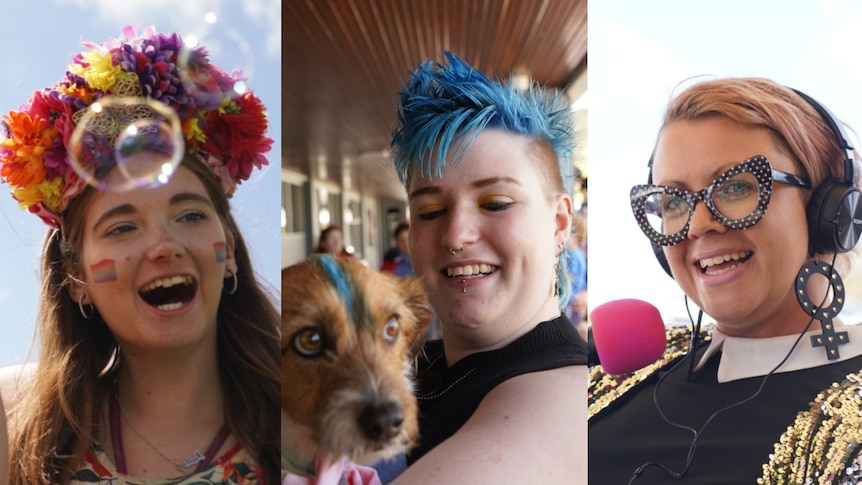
(628, 334)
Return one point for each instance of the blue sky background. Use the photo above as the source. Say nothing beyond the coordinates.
(39, 39)
(639, 51)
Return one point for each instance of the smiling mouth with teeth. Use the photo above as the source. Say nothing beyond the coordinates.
(471, 270)
(169, 293)
(725, 262)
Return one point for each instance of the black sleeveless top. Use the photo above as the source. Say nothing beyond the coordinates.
(449, 396)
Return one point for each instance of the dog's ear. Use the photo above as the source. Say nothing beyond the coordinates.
(417, 301)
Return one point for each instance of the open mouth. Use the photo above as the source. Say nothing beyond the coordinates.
(723, 263)
(169, 293)
(470, 271)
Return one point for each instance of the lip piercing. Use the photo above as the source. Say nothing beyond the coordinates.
(463, 286)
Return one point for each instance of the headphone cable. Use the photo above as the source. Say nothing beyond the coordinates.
(691, 355)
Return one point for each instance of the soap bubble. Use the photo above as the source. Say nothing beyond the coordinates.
(226, 48)
(124, 143)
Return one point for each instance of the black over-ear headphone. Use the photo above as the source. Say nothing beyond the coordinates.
(835, 209)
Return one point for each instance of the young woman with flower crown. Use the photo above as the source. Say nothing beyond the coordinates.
(159, 351)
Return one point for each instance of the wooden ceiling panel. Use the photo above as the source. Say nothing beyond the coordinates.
(345, 61)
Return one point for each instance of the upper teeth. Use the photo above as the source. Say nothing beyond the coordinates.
(707, 262)
(469, 270)
(168, 282)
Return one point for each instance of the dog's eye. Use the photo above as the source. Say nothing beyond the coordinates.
(308, 342)
(391, 330)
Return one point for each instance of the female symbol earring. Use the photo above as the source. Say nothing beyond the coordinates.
(829, 339)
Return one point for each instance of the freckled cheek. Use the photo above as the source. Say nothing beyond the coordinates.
(421, 244)
(212, 248)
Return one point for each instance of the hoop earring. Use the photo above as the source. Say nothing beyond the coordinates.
(81, 308)
(235, 283)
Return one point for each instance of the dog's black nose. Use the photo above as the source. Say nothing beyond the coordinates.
(381, 421)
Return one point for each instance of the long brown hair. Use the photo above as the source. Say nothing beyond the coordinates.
(52, 424)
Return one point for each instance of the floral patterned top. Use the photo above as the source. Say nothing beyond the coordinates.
(235, 467)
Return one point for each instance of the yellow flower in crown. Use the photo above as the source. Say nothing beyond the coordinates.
(99, 71)
(225, 127)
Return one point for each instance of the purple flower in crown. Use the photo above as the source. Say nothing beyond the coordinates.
(210, 86)
(154, 60)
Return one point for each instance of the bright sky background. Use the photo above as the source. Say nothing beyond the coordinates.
(639, 51)
(40, 37)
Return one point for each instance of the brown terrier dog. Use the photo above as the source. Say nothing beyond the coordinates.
(349, 336)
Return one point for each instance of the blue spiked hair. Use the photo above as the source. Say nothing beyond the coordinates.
(445, 106)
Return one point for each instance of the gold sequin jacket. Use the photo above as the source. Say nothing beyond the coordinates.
(822, 446)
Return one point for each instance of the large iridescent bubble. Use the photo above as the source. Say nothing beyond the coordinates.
(124, 143)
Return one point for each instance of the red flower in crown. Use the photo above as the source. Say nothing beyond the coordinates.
(237, 138)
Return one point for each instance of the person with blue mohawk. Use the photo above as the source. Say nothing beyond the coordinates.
(486, 167)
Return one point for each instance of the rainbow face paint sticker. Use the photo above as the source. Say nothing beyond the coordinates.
(220, 252)
(104, 271)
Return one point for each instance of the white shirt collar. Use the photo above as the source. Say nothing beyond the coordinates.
(742, 358)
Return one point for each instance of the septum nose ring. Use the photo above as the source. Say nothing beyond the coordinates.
(455, 252)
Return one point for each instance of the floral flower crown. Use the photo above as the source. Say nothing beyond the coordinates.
(224, 128)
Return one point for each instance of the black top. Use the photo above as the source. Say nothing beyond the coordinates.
(449, 396)
(734, 446)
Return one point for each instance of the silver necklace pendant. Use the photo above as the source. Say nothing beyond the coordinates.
(196, 458)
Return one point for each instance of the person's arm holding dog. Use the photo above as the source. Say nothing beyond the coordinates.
(529, 429)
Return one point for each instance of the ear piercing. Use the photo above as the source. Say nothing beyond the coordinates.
(455, 252)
